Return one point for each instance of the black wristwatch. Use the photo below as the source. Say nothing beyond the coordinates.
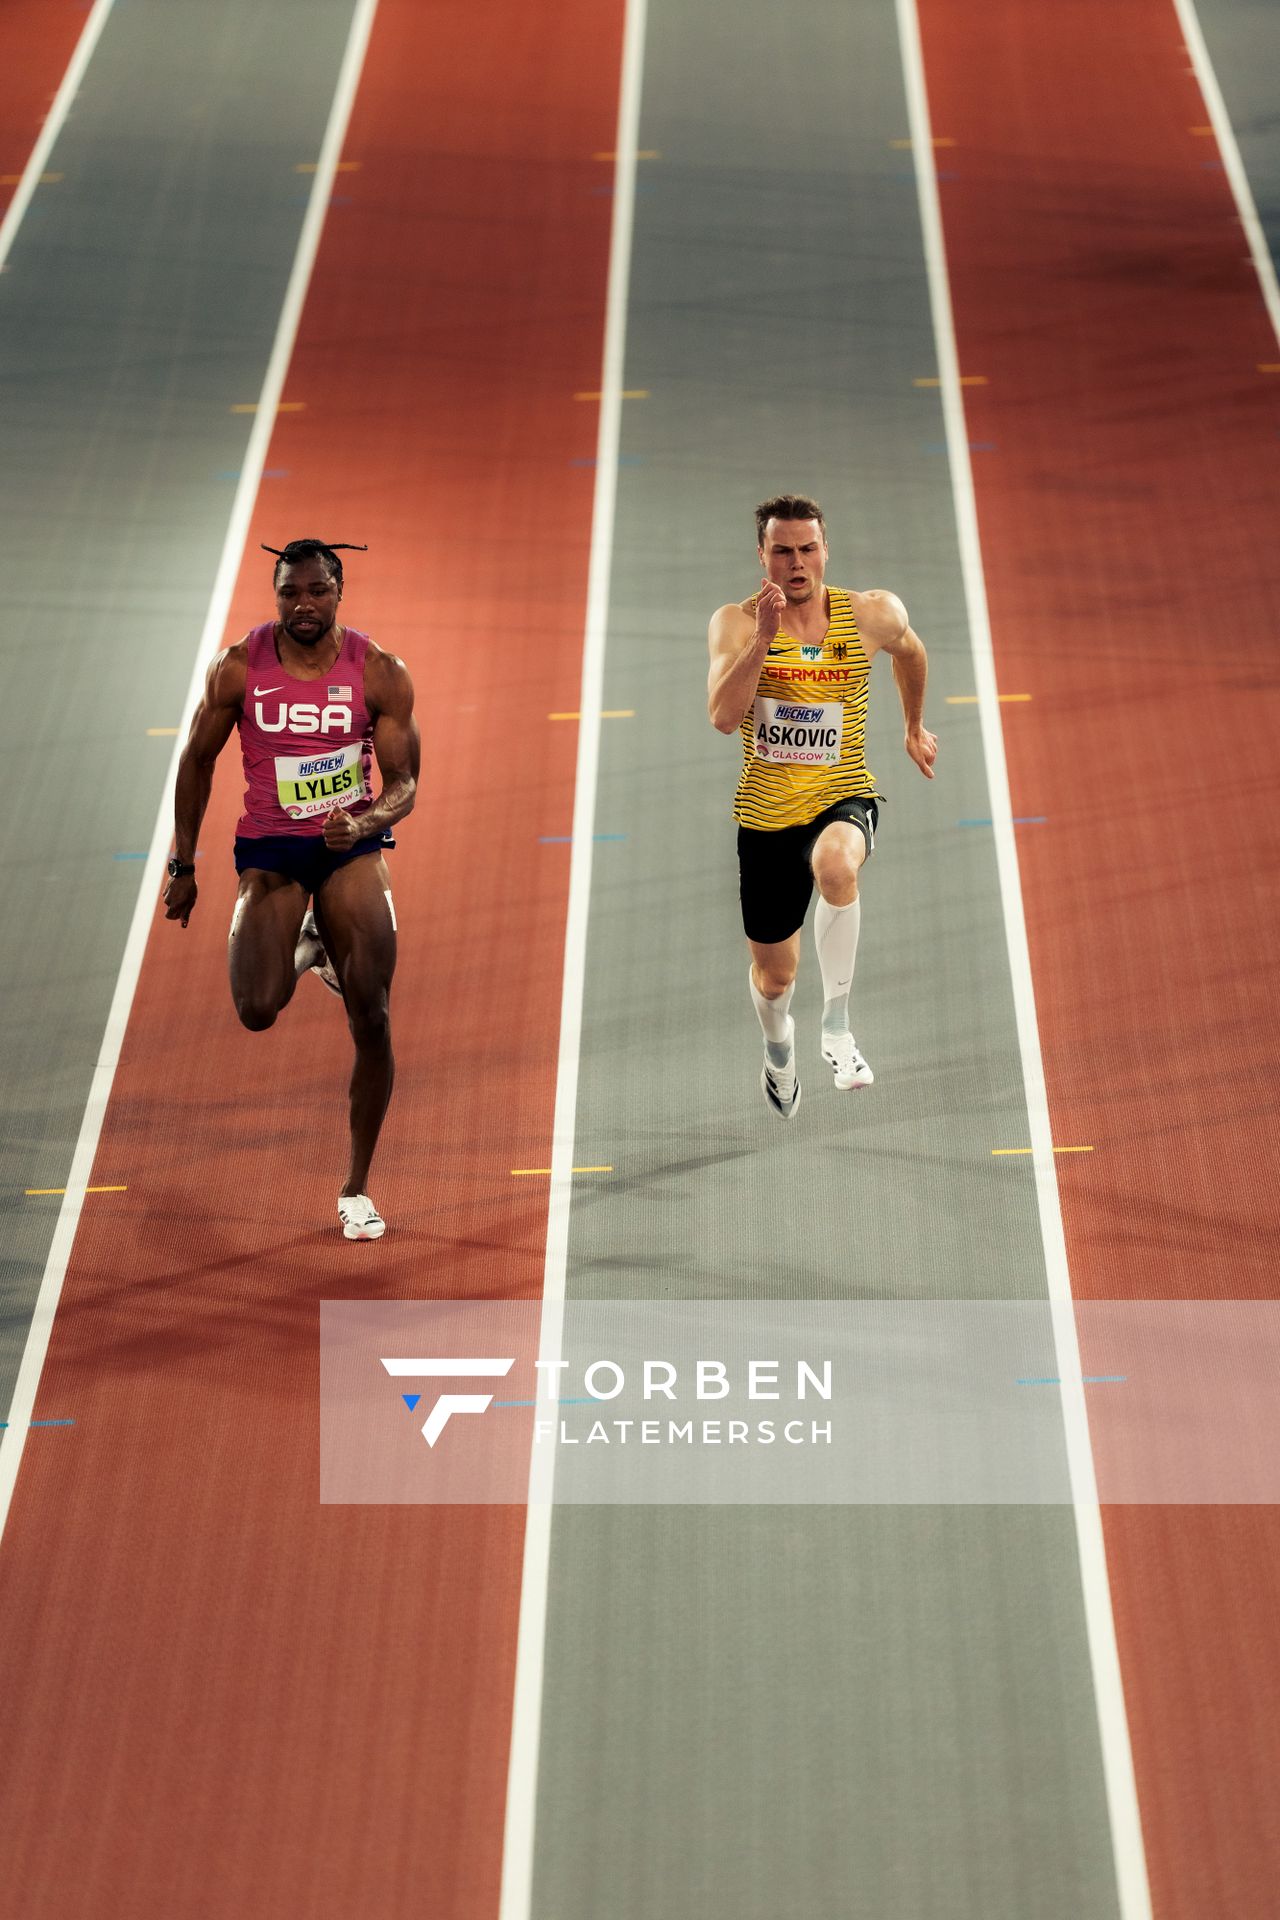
(177, 866)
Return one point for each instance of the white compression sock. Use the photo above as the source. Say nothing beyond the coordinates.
(774, 1024)
(835, 931)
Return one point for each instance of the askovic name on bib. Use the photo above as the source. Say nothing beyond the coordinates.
(796, 735)
(318, 782)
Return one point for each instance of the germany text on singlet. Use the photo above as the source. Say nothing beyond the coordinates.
(307, 744)
(803, 738)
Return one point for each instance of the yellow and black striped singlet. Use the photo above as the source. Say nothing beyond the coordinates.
(804, 736)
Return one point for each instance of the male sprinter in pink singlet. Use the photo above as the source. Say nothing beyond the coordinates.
(315, 703)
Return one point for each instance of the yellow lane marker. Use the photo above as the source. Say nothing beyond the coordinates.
(46, 179)
(940, 140)
(1204, 132)
(628, 393)
(519, 1172)
(642, 153)
(283, 406)
(343, 166)
(87, 1189)
(971, 699)
(1032, 1149)
(966, 380)
(158, 733)
(1269, 366)
(607, 713)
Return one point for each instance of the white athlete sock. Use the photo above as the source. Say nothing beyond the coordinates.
(835, 932)
(774, 1023)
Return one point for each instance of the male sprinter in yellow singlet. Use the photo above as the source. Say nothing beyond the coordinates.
(789, 670)
(315, 703)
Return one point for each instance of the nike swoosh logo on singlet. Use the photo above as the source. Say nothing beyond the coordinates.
(259, 691)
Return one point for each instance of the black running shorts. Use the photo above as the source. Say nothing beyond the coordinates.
(775, 880)
(303, 857)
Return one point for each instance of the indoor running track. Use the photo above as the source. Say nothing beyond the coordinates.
(218, 1697)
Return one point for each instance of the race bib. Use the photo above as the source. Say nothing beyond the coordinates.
(318, 782)
(802, 736)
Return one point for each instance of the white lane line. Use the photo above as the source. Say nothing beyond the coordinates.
(526, 1722)
(1220, 120)
(37, 1345)
(1117, 1756)
(63, 100)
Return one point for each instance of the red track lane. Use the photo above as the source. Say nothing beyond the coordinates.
(37, 41)
(1127, 516)
(217, 1697)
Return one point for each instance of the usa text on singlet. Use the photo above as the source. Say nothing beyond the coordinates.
(307, 744)
(803, 739)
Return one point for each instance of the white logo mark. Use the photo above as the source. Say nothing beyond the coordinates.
(259, 691)
(449, 1403)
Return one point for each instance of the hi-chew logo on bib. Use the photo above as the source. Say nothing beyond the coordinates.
(318, 782)
(798, 736)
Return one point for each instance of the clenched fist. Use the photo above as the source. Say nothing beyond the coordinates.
(771, 603)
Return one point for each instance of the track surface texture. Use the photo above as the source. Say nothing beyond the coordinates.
(1102, 287)
(220, 1698)
(279, 1707)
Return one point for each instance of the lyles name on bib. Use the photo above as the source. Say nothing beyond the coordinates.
(318, 782)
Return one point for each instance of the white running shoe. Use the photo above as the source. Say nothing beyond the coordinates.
(360, 1218)
(312, 952)
(780, 1085)
(840, 1051)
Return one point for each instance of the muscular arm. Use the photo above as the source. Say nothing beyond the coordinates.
(397, 747)
(885, 624)
(738, 646)
(211, 727)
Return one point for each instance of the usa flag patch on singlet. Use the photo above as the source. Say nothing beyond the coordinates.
(340, 693)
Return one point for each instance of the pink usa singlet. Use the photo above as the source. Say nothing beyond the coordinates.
(307, 744)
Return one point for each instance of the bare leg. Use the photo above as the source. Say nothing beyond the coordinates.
(357, 924)
(773, 965)
(264, 933)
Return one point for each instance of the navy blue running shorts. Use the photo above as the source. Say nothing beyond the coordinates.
(302, 857)
(775, 879)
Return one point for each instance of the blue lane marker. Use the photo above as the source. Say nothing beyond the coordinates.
(1090, 1380)
(142, 856)
(44, 1423)
(566, 839)
(1019, 820)
(411, 1400)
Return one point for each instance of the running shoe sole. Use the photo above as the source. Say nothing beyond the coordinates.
(371, 1228)
(843, 1085)
(771, 1095)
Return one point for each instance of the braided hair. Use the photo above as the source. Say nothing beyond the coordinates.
(312, 550)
